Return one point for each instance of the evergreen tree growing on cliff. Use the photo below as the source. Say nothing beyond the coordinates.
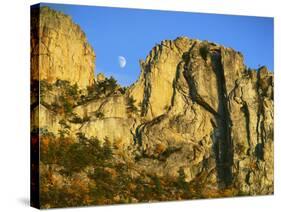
(131, 108)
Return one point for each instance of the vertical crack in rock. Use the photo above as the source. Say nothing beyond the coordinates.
(222, 132)
(225, 147)
(175, 83)
(246, 112)
(147, 92)
(260, 124)
(137, 136)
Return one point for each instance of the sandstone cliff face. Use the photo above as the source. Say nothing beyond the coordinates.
(251, 112)
(194, 107)
(59, 49)
(218, 112)
(158, 73)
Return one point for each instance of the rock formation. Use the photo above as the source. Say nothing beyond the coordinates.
(213, 110)
(195, 107)
(59, 49)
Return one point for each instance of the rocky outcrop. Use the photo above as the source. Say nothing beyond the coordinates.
(251, 112)
(158, 73)
(114, 107)
(195, 107)
(213, 111)
(59, 49)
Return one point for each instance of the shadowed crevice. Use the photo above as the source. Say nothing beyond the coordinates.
(246, 112)
(224, 153)
(223, 146)
(147, 91)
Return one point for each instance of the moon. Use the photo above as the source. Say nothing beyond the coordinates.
(122, 61)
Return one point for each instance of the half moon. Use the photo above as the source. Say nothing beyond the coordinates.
(122, 61)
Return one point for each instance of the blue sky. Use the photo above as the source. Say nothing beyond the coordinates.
(131, 33)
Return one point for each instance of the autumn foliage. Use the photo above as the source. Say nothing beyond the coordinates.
(83, 171)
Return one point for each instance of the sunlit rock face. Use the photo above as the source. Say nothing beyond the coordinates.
(59, 49)
(210, 110)
(158, 73)
(195, 107)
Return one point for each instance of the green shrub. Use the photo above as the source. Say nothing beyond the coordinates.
(78, 120)
(157, 185)
(101, 89)
(65, 128)
(44, 88)
(181, 183)
(131, 108)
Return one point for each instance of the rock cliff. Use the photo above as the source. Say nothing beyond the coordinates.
(59, 49)
(210, 109)
(196, 107)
